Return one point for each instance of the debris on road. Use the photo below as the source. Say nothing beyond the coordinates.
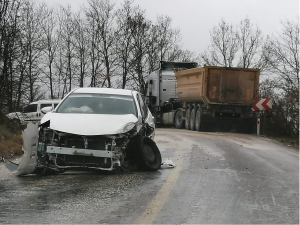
(168, 163)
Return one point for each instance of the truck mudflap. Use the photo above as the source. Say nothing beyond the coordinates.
(28, 162)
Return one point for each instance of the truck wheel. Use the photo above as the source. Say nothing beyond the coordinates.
(198, 120)
(193, 118)
(187, 119)
(148, 156)
(179, 119)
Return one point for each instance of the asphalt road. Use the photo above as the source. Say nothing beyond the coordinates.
(219, 178)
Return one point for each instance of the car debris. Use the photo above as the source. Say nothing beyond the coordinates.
(168, 163)
(91, 129)
(28, 161)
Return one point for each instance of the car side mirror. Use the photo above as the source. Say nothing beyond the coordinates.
(46, 109)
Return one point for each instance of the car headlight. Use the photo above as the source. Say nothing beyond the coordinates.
(128, 127)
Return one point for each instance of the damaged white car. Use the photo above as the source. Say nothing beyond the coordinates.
(98, 129)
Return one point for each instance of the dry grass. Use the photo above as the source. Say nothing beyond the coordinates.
(291, 142)
(11, 146)
(10, 137)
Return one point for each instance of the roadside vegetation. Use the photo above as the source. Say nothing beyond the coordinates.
(46, 52)
(10, 137)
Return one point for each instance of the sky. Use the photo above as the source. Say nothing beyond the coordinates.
(196, 18)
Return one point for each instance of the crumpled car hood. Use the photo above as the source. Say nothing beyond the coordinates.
(88, 124)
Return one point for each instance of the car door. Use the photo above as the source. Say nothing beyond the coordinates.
(30, 112)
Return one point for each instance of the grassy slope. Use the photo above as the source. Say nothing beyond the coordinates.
(10, 137)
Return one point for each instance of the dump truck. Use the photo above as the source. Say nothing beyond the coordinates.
(208, 98)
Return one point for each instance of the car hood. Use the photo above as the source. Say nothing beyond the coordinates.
(88, 124)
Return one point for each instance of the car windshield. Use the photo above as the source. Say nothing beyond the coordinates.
(98, 104)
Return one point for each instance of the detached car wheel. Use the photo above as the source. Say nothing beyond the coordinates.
(148, 156)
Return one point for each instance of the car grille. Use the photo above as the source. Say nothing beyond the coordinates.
(93, 142)
(82, 161)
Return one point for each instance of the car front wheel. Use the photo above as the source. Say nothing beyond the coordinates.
(148, 156)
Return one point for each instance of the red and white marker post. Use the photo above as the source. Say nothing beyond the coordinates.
(261, 105)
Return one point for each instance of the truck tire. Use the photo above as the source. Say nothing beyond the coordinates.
(187, 119)
(193, 119)
(198, 120)
(178, 120)
(148, 156)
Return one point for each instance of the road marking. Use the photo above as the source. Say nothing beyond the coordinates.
(155, 206)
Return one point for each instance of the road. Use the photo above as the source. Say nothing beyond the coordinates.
(219, 178)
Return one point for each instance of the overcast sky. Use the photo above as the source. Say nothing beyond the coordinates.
(196, 18)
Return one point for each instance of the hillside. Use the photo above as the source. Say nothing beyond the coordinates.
(10, 137)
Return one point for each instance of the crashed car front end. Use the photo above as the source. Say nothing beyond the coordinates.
(61, 151)
(92, 129)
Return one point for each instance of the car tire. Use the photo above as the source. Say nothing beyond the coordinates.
(148, 156)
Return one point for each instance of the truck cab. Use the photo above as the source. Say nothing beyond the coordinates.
(161, 86)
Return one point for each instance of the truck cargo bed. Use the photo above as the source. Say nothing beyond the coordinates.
(218, 85)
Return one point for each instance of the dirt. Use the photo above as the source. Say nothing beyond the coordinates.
(10, 137)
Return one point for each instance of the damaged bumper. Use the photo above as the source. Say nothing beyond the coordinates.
(28, 162)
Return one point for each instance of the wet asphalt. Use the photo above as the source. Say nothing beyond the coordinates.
(219, 178)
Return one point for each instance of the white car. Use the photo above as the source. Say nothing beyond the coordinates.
(95, 128)
(33, 111)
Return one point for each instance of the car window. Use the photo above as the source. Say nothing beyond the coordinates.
(45, 105)
(98, 104)
(55, 105)
(30, 108)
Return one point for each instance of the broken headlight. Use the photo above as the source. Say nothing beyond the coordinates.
(128, 127)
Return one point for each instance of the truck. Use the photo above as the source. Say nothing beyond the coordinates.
(209, 98)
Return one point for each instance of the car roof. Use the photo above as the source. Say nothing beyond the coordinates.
(112, 91)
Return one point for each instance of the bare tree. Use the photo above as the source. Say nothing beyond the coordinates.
(43, 51)
(9, 50)
(250, 41)
(32, 17)
(95, 56)
(241, 46)
(282, 55)
(81, 44)
(65, 64)
(49, 28)
(102, 14)
(224, 46)
(124, 36)
(139, 28)
(167, 38)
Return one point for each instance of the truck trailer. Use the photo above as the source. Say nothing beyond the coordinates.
(208, 98)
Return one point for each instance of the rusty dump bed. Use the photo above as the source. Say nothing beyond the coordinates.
(218, 85)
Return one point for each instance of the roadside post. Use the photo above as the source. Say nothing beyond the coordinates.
(260, 106)
(258, 124)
